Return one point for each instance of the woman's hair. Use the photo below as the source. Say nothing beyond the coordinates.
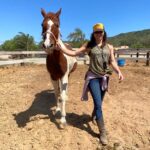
(92, 42)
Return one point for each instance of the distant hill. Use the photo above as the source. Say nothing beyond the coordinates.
(136, 39)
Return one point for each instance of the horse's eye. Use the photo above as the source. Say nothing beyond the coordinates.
(57, 25)
(44, 36)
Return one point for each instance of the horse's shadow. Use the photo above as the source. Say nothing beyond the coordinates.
(43, 104)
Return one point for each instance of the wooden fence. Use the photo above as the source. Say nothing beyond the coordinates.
(134, 54)
(23, 54)
(21, 57)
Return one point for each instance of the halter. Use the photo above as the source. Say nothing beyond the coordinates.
(51, 33)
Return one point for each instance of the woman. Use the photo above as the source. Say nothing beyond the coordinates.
(101, 57)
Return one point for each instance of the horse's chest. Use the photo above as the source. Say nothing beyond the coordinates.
(56, 65)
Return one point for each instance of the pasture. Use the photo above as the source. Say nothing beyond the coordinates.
(27, 120)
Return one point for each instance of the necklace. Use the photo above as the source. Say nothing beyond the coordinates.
(103, 59)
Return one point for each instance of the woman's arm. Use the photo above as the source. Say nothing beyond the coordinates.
(114, 63)
(70, 52)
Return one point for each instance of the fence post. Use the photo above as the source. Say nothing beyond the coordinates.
(118, 55)
(137, 55)
(114, 53)
(147, 58)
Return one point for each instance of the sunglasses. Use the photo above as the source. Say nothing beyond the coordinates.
(98, 32)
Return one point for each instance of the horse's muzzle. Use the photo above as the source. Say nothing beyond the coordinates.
(45, 47)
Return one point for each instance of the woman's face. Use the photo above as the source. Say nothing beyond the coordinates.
(98, 35)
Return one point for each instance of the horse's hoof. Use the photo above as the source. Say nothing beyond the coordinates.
(62, 125)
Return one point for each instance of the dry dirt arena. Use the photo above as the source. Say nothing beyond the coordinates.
(28, 122)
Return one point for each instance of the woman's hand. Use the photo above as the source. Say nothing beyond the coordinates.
(120, 76)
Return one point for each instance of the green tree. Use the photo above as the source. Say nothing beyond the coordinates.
(76, 38)
(21, 42)
(40, 45)
(24, 42)
(8, 45)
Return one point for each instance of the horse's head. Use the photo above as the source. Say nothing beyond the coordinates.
(50, 28)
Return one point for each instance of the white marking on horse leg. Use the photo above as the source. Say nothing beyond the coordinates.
(57, 94)
(63, 120)
(64, 97)
(63, 87)
(58, 109)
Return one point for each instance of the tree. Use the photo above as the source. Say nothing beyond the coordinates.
(77, 38)
(24, 41)
(21, 42)
(8, 45)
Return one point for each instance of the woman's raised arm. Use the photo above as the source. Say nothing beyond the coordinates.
(70, 52)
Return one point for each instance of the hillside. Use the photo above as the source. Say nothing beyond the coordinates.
(136, 39)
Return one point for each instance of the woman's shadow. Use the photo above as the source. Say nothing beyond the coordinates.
(44, 104)
(81, 122)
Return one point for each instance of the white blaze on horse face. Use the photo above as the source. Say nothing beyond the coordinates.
(47, 41)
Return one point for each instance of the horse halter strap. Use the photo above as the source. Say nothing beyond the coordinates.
(51, 33)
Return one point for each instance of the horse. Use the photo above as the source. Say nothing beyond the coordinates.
(59, 65)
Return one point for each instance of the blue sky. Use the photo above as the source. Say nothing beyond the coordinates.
(118, 16)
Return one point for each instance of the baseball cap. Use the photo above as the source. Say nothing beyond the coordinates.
(98, 27)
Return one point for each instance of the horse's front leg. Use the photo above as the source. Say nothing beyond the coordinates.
(64, 97)
(57, 94)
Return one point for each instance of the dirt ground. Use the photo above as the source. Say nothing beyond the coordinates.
(28, 122)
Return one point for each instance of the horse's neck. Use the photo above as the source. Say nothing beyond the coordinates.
(57, 54)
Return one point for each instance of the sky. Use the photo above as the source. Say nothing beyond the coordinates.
(118, 16)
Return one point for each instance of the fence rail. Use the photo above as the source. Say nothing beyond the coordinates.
(20, 52)
(132, 54)
(21, 57)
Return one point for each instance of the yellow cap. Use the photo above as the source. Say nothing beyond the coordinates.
(98, 27)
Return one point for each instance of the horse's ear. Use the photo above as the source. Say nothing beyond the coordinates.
(58, 12)
(43, 12)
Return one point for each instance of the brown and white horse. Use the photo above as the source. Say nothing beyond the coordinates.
(58, 64)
